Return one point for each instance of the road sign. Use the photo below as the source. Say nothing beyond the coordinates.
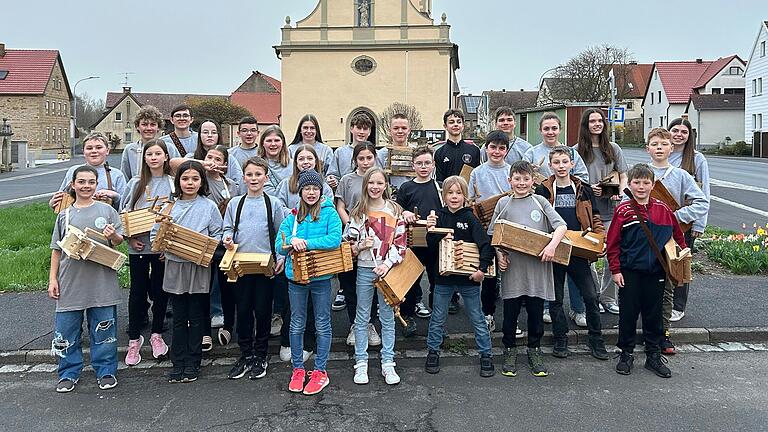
(616, 115)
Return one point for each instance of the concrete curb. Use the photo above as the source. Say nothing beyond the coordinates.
(690, 335)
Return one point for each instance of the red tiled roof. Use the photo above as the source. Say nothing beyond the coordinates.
(714, 68)
(637, 75)
(28, 70)
(678, 78)
(275, 83)
(264, 106)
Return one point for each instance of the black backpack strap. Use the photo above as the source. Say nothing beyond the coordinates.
(238, 212)
(270, 224)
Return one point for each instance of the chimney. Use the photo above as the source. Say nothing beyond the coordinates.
(699, 61)
(126, 89)
(632, 62)
(522, 89)
(2, 49)
(503, 90)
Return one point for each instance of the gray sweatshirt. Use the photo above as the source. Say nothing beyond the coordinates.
(517, 149)
(683, 187)
(161, 187)
(199, 214)
(541, 151)
(118, 181)
(252, 232)
(488, 180)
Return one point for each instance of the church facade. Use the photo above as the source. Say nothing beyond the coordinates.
(352, 56)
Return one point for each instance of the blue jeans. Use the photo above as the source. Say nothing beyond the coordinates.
(471, 296)
(68, 344)
(365, 289)
(321, 303)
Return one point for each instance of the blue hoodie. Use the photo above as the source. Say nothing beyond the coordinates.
(321, 234)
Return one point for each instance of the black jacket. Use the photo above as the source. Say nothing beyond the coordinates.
(451, 157)
(465, 227)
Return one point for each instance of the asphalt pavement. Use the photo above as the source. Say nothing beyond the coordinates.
(707, 392)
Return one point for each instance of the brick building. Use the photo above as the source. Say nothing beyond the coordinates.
(35, 97)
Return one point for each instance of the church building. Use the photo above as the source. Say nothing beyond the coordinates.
(352, 56)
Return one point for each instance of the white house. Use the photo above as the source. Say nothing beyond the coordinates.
(755, 79)
(717, 118)
(671, 84)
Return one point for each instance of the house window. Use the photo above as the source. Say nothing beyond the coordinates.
(735, 70)
(47, 135)
(61, 112)
(65, 109)
(650, 122)
(363, 65)
(661, 121)
(759, 86)
(739, 90)
(715, 90)
(762, 49)
(630, 106)
(118, 116)
(659, 96)
(651, 98)
(128, 137)
(48, 109)
(655, 75)
(759, 122)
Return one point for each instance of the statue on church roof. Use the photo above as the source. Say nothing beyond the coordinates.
(364, 13)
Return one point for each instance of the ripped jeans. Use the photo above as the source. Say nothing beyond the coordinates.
(67, 342)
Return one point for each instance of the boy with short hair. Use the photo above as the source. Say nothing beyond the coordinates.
(451, 157)
(636, 269)
(505, 122)
(400, 130)
(183, 138)
(149, 120)
(525, 278)
(489, 179)
(248, 131)
(574, 201)
(341, 164)
(423, 193)
(682, 186)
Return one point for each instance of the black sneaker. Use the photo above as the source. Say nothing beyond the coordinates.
(433, 362)
(624, 366)
(190, 374)
(486, 366)
(107, 382)
(422, 311)
(176, 376)
(667, 347)
(410, 328)
(65, 385)
(560, 350)
(241, 367)
(536, 362)
(509, 368)
(340, 302)
(258, 368)
(597, 349)
(656, 362)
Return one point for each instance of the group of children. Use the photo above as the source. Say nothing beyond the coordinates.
(278, 199)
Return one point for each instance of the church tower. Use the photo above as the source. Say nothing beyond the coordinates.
(351, 56)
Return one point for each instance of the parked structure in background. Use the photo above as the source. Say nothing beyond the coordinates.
(468, 104)
(671, 84)
(394, 52)
(756, 89)
(35, 97)
(517, 100)
(717, 118)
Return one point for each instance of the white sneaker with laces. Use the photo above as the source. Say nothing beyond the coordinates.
(361, 372)
(490, 322)
(580, 319)
(519, 333)
(306, 355)
(217, 321)
(676, 315)
(389, 373)
(546, 317)
(373, 337)
(422, 311)
(285, 353)
(276, 325)
(351, 337)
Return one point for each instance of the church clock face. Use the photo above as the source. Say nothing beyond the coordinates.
(363, 65)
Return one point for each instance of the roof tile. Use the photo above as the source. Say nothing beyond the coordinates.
(28, 70)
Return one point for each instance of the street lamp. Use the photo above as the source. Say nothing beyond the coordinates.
(5, 147)
(74, 113)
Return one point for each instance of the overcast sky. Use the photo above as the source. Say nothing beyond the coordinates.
(210, 47)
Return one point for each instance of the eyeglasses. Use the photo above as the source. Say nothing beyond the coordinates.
(253, 131)
(182, 116)
(422, 164)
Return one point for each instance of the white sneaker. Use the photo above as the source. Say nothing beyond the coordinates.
(600, 307)
(361, 372)
(490, 322)
(389, 374)
(217, 321)
(580, 319)
(285, 353)
(676, 315)
(519, 333)
(373, 337)
(276, 325)
(422, 311)
(351, 336)
(306, 355)
(546, 317)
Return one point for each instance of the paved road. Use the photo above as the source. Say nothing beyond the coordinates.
(739, 189)
(708, 392)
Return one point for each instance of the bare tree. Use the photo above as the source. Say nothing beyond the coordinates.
(410, 111)
(584, 78)
(89, 111)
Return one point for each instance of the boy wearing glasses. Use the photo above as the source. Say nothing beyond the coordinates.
(248, 131)
(183, 138)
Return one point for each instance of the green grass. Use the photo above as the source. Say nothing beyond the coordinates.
(25, 254)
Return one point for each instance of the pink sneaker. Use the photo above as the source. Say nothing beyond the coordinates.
(159, 348)
(133, 357)
(297, 380)
(318, 380)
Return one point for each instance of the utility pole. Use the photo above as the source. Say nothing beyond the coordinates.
(612, 90)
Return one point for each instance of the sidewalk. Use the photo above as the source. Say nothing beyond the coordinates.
(720, 309)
